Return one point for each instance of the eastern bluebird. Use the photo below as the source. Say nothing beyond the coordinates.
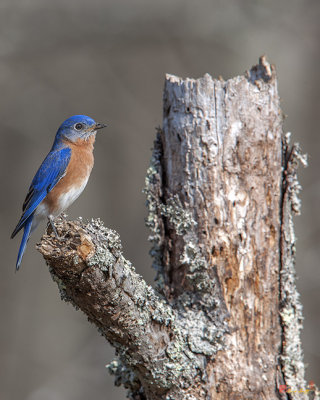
(61, 177)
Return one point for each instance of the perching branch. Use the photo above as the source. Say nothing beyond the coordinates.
(224, 320)
(93, 275)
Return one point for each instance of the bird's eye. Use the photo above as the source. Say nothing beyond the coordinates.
(78, 126)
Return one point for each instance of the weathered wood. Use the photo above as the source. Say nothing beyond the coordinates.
(222, 159)
(93, 275)
(220, 193)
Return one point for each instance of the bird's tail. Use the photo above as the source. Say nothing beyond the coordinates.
(24, 241)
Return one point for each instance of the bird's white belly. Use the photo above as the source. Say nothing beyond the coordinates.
(66, 199)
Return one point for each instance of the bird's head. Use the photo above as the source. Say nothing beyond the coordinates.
(78, 127)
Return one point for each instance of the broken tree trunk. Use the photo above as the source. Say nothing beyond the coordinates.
(224, 320)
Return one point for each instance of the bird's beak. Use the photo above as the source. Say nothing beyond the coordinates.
(99, 126)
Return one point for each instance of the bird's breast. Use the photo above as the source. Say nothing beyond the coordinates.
(75, 179)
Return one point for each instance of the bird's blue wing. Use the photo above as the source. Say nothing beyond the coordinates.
(48, 175)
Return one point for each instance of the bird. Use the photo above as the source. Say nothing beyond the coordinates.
(61, 177)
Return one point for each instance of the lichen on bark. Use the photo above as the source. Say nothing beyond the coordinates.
(215, 190)
(290, 305)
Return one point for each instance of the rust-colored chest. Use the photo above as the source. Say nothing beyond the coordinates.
(75, 179)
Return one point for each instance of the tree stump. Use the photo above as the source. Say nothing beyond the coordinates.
(224, 319)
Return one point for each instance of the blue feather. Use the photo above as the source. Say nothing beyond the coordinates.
(48, 175)
(24, 241)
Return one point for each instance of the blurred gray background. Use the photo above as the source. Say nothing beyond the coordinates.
(107, 59)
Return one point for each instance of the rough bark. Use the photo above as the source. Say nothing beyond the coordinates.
(224, 320)
(224, 165)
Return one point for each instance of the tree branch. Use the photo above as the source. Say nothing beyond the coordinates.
(224, 320)
(93, 275)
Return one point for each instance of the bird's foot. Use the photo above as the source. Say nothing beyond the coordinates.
(51, 223)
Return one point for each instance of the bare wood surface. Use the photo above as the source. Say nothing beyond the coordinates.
(220, 194)
(222, 158)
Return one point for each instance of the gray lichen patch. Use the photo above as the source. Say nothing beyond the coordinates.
(102, 257)
(180, 218)
(203, 338)
(291, 308)
(61, 286)
(293, 184)
(203, 322)
(109, 247)
(126, 377)
(197, 266)
(153, 193)
(109, 238)
(178, 365)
